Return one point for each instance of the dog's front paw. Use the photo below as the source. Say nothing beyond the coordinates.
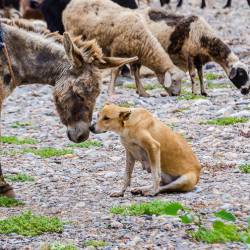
(117, 194)
(149, 193)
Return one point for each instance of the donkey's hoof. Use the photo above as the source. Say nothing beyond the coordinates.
(7, 191)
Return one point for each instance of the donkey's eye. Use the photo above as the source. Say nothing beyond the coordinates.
(106, 118)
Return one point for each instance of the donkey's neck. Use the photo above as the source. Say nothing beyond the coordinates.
(35, 59)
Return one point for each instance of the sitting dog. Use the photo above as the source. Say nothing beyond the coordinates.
(164, 153)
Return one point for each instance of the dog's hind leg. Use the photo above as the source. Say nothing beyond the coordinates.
(130, 162)
(184, 183)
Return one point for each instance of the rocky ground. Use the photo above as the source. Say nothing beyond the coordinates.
(76, 188)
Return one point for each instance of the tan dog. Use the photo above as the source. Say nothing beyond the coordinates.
(173, 165)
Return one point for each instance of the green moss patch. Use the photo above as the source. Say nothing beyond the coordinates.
(20, 177)
(20, 124)
(149, 86)
(87, 144)
(222, 233)
(28, 224)
(58, 246)
(9, 202)
(156, 207)
(245, 168)
(94, 243)
(48, 152)
(212, 76)
(225, 121)
(17, 141)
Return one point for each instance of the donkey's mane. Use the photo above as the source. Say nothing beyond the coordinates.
(90, 49)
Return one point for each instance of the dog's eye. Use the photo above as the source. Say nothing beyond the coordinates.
(106, 118)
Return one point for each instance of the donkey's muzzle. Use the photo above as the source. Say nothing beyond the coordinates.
(78, 132)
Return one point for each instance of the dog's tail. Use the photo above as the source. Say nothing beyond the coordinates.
(184, 183)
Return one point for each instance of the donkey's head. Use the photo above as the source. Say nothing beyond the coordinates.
(79, 85)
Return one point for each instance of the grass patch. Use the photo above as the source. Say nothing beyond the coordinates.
(9, 202)
(156, 207)
(212, 76)
(94, 243)
(148, 86)
(245, 168)
(224, 229)
(20, 124)
(48, 152)
(186, 95)
(126, 105)
(58, 246)
(17, 141)
(28, 224)
(180, 110)
(212, 85)
(20, 177)
(86, 144)
(222, 233)
(225, 121)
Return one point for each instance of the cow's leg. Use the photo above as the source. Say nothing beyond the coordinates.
(203, 4)
(5, 188)
(228, 4)
(180, 2)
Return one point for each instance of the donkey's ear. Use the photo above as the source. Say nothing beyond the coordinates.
(74, 54)
(113, 62)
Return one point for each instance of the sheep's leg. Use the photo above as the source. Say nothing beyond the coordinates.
(5, 188)
(192, 75)
(135, 68)
(200, 74)
(248, 1)
(179, 4)
(114, 75)
(163, 2)
(203, 4)
(198, 65)
(228, 4)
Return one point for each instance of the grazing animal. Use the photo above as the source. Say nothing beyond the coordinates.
(161, 151)
(203, 3)
(71, 67)
(191, 43)
(125, 34)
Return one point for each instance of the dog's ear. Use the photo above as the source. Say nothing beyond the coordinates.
(124, 115)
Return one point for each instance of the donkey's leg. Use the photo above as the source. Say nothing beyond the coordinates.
(5, 188)
(228, 4)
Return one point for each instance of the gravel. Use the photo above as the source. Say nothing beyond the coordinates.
(76, 188)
